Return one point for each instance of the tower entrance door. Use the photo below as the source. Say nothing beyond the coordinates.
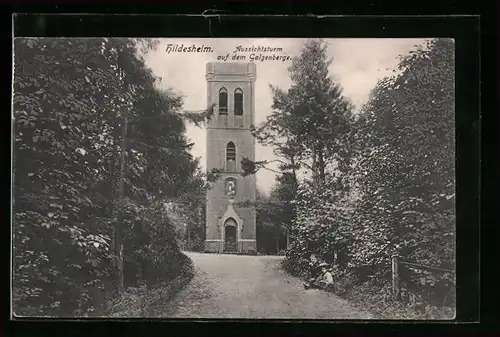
(230, 235)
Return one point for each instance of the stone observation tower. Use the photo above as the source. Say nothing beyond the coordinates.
(230, 227)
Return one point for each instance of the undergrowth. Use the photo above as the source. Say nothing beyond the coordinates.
(377, 298)
(143, 300)
(374, 295)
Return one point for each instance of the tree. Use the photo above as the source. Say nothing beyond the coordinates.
(285, 195)
(307, 119)
(270, 226)
(406, 163)
(91, 134)
(396, 194)
(57, 138)
(320, 226)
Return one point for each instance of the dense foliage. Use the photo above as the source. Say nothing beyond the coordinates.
(307, 128)
(271, 224)
(390, 189)
(95, 144)
(406, 168)
(307, 119)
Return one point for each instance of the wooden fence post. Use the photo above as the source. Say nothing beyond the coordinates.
(396, 291)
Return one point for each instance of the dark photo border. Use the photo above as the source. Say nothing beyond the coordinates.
(465, 29)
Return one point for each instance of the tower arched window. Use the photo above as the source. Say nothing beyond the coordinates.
(238, 102)
(231, 157)
(223, 101)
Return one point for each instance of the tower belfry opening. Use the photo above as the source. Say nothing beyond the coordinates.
(231, 217)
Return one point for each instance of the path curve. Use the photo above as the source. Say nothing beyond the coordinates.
(237, 286)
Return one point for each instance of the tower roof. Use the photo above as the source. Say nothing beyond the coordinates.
(231, 68)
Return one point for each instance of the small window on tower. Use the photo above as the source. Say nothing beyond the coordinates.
(223, 101)
(238, 102)
(231, 157)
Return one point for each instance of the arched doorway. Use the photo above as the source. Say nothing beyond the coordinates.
(230, 235)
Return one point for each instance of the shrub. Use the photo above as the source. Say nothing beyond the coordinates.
(144, 301)
(393, 199)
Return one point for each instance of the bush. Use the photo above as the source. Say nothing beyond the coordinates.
(150, 246)
(377, 298)
(282, 252)
(144, 301)
(392, 199)
(69, 100)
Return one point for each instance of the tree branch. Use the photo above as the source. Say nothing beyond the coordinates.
(200, 116)
(273, 161)
(306, 165)
(270, 169)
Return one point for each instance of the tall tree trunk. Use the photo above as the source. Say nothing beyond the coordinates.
(294, 173)
(121, 196)
(115, 204)
(118, 229)
(321, 166)
(314, 167)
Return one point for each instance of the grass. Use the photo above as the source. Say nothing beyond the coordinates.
(145, 301)
(378, 300)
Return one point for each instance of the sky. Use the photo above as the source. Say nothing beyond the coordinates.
(357, 65)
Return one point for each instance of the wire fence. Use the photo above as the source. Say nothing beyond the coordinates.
(435, 284)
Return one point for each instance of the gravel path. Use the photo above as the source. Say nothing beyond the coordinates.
(236, 286)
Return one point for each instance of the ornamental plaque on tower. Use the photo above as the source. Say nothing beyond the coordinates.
(230, 187)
